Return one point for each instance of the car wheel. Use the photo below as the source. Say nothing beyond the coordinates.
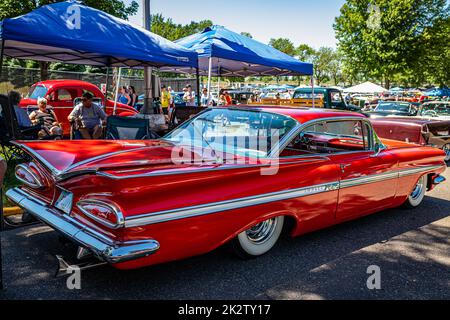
(259, 239)
(418, 194)
(446, 149)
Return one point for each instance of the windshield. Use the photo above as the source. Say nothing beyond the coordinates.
(393, 107)
(232, 131)
(37, 92)
(436, 110)
(308, 95)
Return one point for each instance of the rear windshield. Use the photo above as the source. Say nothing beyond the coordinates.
(37, 92)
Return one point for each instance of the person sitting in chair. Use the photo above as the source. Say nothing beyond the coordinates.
(88, 117)
(47, 118)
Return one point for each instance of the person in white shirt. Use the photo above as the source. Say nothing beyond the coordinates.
(189, 97)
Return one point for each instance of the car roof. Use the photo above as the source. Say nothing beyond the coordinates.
(303, 114)
(65, 82)
(316, 90)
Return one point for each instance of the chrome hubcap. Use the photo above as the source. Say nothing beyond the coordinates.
(262, 232)
(417, 190)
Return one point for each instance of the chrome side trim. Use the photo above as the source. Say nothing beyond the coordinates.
(210, 208)
(412, 171)
(369, 179)
(102, 246)
(194, 211)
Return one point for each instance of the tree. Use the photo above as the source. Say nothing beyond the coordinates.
(304, 52)
(165, 27)
(13, 8)
(323, 60)
(247, 34)
(283, 45)
(380, 38)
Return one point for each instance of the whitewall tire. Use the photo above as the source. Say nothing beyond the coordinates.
(416, 197)
(259, 239)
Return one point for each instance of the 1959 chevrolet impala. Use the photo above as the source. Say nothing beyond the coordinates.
(140, 203)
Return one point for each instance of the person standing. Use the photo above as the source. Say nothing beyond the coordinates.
(205, 100)
(165, 100)
(133, 96)
(189, 97)
(124, 97)
(228, 99)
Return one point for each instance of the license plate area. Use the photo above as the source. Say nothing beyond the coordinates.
(65, 202)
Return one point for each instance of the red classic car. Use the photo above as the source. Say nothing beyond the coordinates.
(61, 95)
(140, 203)
(417, 130)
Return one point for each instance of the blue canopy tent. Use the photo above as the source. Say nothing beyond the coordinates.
(226, 53)
(438, 92)
(71, 32)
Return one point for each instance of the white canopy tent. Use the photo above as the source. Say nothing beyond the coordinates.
(366, 87)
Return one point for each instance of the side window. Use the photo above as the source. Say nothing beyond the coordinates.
(64, 95)
(331, 137)
(335, 97)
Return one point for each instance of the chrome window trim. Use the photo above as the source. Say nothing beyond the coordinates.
(303, 126)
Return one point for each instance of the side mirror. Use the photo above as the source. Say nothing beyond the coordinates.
(378, 148)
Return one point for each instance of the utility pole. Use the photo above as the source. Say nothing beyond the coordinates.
(148, 86)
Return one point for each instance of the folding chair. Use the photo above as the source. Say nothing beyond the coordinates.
(126, 128)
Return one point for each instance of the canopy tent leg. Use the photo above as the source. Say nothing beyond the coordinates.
(198, 87)
(209, 79)
(313, 95)
(117, 91)
(2, 53)
(107, 85)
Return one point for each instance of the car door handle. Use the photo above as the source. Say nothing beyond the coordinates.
(344, 166)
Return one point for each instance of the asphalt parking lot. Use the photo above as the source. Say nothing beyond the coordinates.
(412, 249)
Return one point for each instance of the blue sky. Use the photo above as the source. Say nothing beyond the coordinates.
(309, 22)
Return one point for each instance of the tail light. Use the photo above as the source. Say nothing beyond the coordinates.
(29, 176)
(104, 212)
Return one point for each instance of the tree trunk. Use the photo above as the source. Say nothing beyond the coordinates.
(43, 65)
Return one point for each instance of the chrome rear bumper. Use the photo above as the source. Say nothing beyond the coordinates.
(103, 247)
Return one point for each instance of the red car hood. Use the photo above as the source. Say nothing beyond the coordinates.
(64, 158)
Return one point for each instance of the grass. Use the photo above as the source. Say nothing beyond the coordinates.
(8, 86)
(10, 180)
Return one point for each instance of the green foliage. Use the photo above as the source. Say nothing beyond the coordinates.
(247, 34)
(391, 39)
(283, 45)
(168, 29)
(14, 8)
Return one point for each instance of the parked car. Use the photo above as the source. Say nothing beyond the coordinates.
(394, 108)
(328, 98)
(61, 95)
(437, 110)
(415, 130)
(135, 204)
